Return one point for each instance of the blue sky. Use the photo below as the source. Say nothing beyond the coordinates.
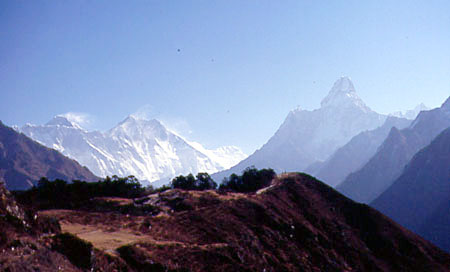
(218, 72)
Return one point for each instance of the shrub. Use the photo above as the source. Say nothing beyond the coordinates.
(251, 180)
(60, 194)
(185, 183)
(201, 182)
(77, 250)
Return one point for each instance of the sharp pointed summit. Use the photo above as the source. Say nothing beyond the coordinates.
(309, 136)
(343, 84)
(343, 94)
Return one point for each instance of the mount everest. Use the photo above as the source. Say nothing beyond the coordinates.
(143, 148)
(149, 151)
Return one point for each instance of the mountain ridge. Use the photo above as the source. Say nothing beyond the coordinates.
(297, 223)
(412, 113)
(354, 154)
(421, 194)
(309, 136)
(23, 162)
(398, 148)
(139, 147)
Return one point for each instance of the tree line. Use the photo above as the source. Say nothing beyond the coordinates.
(58, 193)
(62, 194)
(251, 180)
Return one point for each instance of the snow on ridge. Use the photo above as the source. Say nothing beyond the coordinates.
(226, 156)
(139, 147)
(412, 113)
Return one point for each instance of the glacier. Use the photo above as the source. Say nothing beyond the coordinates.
(143, 148)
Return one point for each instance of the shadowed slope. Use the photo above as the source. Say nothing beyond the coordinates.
(396, 151)
(23, 162)
(32, 242)
(419, 199)
(356, 152)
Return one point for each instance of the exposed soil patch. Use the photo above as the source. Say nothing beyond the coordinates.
(296, 224)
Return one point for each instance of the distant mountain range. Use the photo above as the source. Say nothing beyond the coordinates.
(23, 162)
(411, 114)
(143, 148)
(357, 152)
(306, 137)
(330, 142)
(400, 166)
(420, 198)
(389, 161)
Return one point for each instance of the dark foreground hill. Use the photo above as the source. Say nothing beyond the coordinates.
(32, 242)
(23, 162)
(296, 224)
(420, 198)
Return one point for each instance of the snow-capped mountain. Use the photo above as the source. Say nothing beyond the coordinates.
(143, 148)
(411, 114)
(226, 156)
(309, 136)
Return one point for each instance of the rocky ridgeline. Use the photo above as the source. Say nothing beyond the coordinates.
(296, 223)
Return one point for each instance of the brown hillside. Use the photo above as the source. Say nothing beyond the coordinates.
(23, 162)
(32, 242)
(297, 224)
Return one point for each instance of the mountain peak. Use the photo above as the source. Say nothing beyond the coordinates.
(344, 84)
(343, 93)
(138, 127)
(410, 114)
(132, 120)
(419, 108)
(60, 120)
